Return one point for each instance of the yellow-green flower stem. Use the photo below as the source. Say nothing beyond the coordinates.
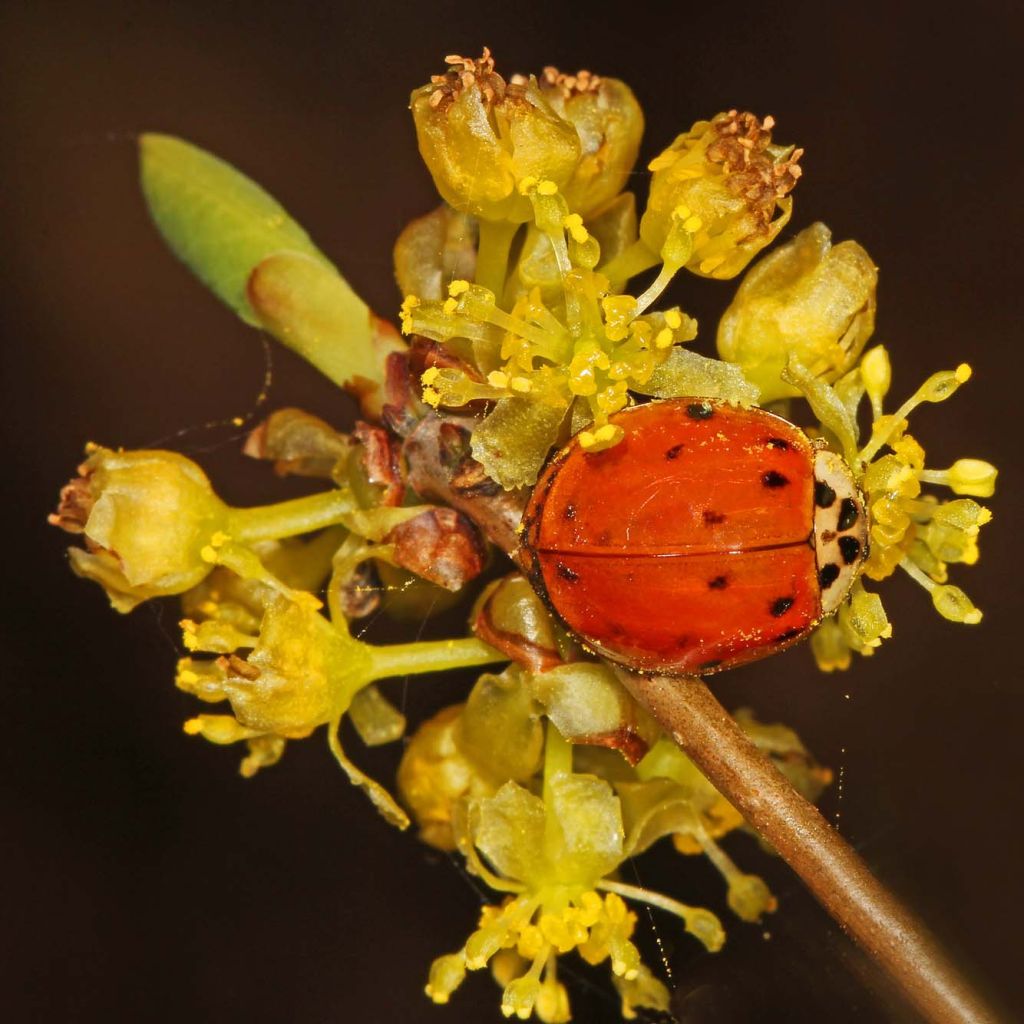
(492, 253)
(432, 656)
(650, 294)
(289, 518)
(557, 757)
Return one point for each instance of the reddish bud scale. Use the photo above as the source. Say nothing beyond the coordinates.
(694, 543)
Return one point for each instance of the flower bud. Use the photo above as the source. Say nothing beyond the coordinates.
(480, 136)
(147, 517)
(609, 123)
(725, 182)
(808, 299)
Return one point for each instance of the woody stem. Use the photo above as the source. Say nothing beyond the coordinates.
(826, 863)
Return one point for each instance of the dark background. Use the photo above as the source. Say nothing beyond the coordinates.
(142, 878)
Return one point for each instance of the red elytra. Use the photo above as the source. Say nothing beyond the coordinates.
(709, 536)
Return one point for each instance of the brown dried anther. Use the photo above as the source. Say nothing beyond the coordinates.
(75, 503)
(439, 545)
(236, 666)
(464, 73)
(569, 85)
(753, 167)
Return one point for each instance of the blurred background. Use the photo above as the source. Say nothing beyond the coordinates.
(142, 877)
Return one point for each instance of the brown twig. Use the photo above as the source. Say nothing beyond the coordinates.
(826, 863)
(440, 467)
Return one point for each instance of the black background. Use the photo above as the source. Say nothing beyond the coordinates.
(142, 878)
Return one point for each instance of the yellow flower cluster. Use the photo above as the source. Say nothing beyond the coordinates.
(549, 823)
(910, 530)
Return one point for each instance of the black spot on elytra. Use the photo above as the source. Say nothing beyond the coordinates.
(778, 442)
(773, 479)
(700, 411)
(718, 583)
(712, 518)
(566, 573)
(828, 575)
(570, 512)
(788, 635)
(849, 548)
(673, 452)
(707, 666)
(824, 496)
(781, 605)
(847, 514)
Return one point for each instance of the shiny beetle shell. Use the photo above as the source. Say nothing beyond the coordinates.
(709, 536)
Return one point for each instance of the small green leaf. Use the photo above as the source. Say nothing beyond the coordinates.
(250, 253)
(215, 219)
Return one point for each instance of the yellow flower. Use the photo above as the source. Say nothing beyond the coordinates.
(715, 193)
(609, 123)
(553, 855)
(303, 671)
(480, 135)
(153, 525)
(909, 529)
(809, 299)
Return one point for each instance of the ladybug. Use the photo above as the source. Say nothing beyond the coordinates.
(709, 536)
